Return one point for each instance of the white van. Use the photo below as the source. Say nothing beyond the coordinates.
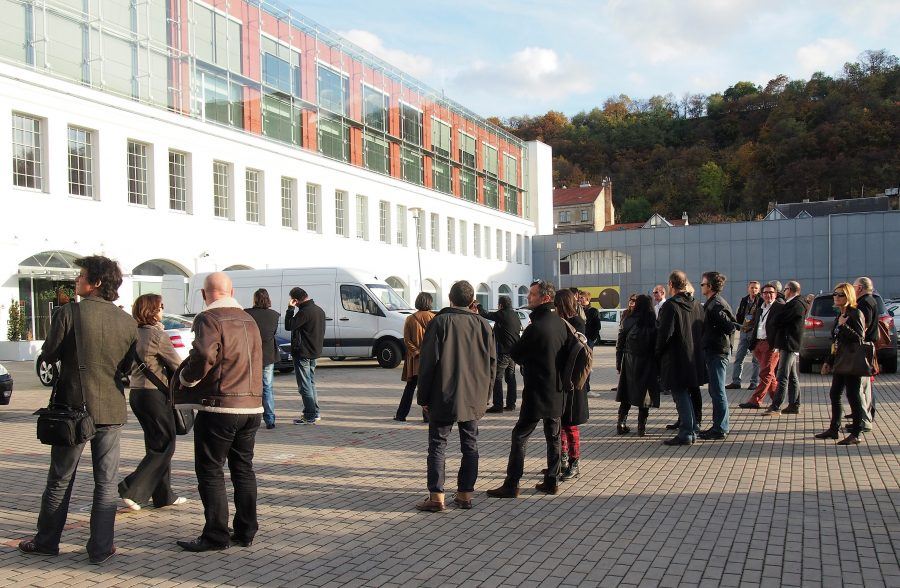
(363, 315)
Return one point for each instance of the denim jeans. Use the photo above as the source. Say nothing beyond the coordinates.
(219, 437)
(738, 367)
(506, 372)
(268, 398)
(687, 425)
(437, 446)
(61, 478)
(305, 370)
(715, 368)
(788, 379)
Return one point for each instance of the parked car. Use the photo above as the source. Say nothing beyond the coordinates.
(816, 344)
(524, 316)
(285, 363)
(6, 385)
(609, 325)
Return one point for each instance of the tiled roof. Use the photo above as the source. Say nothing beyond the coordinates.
(828, 207)
(572, 196)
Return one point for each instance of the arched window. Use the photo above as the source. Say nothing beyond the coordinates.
(504, 290)
(483, 295)
(399, 286)
(237, 267)
(523, 297)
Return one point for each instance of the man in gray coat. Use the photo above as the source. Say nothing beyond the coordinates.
(108, 335)
(457, 365)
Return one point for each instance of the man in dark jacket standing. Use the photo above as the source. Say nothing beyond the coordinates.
(539, 353)
(457, 365)
(788, 333)
(506, 334)
(746, 308)
(307, 338)
(267, 321)
(762, 343)
(591, 330)
(675, 351)
(108, 336)
(221, 380)
(866, 303)
(718, 326)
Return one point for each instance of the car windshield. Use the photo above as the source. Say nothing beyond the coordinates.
(173, 321)
(388, 297)
(824, 307)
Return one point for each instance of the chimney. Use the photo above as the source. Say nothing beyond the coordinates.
(684, 217)
(584, 185)
(806, 200)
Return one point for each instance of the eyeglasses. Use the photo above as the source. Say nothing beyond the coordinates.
(839, 294)
(772, 292)
(704, 283)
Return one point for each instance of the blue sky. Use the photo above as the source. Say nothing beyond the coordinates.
(514, 57)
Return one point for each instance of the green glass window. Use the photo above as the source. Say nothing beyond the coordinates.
(466, 149)
(375, 108)
(334, 91)
(280, 67)
(440, 175)
(490, 194)
(281, 120)
(334, 138)
(217, 38)
(468, 188)
(63, 51)
(440, 137)
(411, 124)
(411, 163)
(222, 102)
(377, 154)
(489, 157)
(118, 75)
(510, 170)
(510, 200)
(12, 31)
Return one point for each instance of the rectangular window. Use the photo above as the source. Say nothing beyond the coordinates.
(491, 197)
(251, 194)
(340, 214)
(377, 154)
(401, 225)
(518, 248)
(410, 124)
(280, 67)
(138, 173)
(435, 232)
(384, 222)
(508, 246)
(510, 170)
(499, 245)
(362, 217)
(584, 215)
(527, 250)
(466, 149)
(223, 102)
(419, 218)
(217, 38)
(287, 203)
(468, 185)
(81, 166)
(451, 235)
(489, 159)
(487, 243)
(476, 239)
(510, 200)
(313, 209)
(334, 91)
(334, 138)
(440, 175)
(375, 108)
(440, 137)
(463, 238)
(221, 189)
(281, 120)
(177, 181)
(28, 152)
(411, 164)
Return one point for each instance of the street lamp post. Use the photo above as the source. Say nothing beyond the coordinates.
(417, 216)
(558, 265)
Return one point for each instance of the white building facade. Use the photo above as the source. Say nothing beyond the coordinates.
(183, 181)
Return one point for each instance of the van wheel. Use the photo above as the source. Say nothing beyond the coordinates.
(337, 358)
(804, 365)
(46, 372)
(389, 354)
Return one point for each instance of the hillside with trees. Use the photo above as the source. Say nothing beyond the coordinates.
(726, 155)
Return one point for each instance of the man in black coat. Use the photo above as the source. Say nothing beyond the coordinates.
(540, 352)
(718, 327)
(866, 303)
(788, 325)
(267, 321)
(307, 339)
(506, 334)
(675, 351)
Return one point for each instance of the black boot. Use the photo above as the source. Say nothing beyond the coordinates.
(642, 422)
(622, 428)
(571, 471)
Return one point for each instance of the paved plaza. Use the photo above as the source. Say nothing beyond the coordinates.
(769, 506)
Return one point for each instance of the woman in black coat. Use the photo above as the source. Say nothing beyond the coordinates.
(636, 364)
(848, 330)
(575, 409)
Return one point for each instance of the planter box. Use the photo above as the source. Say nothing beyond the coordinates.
(19, 350)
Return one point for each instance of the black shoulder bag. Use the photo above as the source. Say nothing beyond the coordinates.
(184, 418)
(61, 424)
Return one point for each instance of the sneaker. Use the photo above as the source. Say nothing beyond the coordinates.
(270, 426)
(179, 501)
(772, 411)
(304, 421)
(131, 504)
(593, 394)
(752, 386)
(99, 559)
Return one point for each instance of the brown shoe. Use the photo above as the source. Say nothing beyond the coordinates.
(32, 548)
(434, 503)
(463, 500)
(504, 491)
(546, 488)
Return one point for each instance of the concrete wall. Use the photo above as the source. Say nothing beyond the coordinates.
(859, 244)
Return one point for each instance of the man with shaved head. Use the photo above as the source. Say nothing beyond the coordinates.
(221, 379)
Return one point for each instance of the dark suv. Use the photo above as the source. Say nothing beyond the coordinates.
(816, 343)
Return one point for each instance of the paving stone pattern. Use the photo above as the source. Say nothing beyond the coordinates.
(768, 506)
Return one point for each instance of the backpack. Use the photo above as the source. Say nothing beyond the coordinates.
(579, 361)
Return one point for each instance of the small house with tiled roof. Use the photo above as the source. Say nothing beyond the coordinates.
(585, 208)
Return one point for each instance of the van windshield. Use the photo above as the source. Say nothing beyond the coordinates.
(388, 297)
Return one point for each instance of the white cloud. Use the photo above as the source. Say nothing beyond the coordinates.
(825, 55)
(416, 65)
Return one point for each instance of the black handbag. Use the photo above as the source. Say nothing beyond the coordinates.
(61, 424)
(184, 417)
(856, 358)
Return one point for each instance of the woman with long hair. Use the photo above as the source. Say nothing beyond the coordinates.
(575, 407)
(413, 333)
(848, 330)
(636, 365)
(151, 478)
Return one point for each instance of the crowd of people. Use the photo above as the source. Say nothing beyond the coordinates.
(457, 367)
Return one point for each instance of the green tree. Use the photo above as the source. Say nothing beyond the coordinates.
(15, 324)
(634, 210)
(712, 182)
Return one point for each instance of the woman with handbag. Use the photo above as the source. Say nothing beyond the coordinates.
(413, 334)
(847, 344)
(636, 364)
(152, 408)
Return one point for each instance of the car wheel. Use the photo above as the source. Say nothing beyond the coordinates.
(46, 372)
(889, 365)
(804, 365)
(389, 354)
(338, 358)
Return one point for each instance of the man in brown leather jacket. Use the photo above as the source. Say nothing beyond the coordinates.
(222, 380)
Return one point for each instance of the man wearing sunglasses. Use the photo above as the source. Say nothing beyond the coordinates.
(718, 327)
(788, 325)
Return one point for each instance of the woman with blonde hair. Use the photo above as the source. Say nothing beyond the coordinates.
(848, 330)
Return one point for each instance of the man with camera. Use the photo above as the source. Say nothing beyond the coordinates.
(306, 322)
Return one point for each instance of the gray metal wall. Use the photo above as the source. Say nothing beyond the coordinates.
(859, 244)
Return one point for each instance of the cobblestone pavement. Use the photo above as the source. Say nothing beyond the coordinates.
(769, 506)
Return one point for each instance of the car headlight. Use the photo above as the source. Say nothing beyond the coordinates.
(3, 371)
